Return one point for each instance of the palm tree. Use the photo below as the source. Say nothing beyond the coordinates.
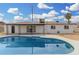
(68, 17)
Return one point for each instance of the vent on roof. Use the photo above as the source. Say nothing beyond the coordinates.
(57, 21)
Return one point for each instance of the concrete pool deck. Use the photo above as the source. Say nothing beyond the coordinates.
(74, 43)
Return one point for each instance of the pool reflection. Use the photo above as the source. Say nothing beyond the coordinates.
(35, 45)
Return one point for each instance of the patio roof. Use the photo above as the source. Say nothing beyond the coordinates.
(2, 23)
(46, 23)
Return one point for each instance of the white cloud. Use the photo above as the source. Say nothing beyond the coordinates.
(26, 19)
(18, 18)
(50, 14)
(1, 18)
(75, 19)
(20, 14)
(36, 16)
(44, 15)
(6, 21)
(43, 6)
(53, 13)
(64, 11)
(74, 7)
(21, 19)
(13, 10)
(67, 8)
(61, 17)
(49, 19)
(1, 15)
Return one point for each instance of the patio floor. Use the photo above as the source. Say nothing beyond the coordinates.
(73, 39)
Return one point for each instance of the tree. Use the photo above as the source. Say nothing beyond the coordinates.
(68, 17)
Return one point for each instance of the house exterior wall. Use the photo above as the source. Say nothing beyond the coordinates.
(16, 29)
(1, 27)
(5, 29)
(8, 29)
(22, 29)
(59, 28)
(39, 29)
(49, 30)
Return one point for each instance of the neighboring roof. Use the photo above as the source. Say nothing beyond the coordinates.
(46, 23)
(2, 23)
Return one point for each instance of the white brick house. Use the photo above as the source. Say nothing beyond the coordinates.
(39, 28)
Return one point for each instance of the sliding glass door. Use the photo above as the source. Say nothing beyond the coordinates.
(31, 28)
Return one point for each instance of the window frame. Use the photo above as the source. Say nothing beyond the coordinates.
(66, 26)
(53, 27)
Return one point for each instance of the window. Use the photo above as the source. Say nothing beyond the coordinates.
(66, 27)
(42, 21)
(52, 27)
(31, 28)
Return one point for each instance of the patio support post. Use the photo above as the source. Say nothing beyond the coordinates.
(44, 29)
(7, 29)
(26, 29)
(19, 30)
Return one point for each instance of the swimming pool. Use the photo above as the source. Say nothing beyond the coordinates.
(33, 45)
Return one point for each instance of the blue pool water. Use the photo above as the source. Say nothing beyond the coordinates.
(33, 45)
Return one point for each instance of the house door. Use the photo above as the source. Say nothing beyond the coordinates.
(31, 29)
(13, 29)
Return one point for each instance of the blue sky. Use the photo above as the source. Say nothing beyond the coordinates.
(23, 10)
